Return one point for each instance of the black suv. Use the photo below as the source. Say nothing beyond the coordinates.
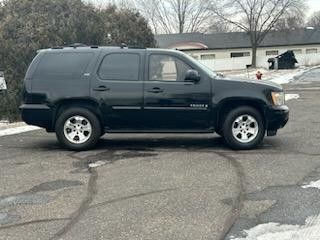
(82, 93)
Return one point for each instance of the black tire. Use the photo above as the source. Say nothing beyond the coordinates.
(234, 142)
(95, 128)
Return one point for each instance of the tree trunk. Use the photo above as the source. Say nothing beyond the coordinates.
(254, 56)
(181, 27)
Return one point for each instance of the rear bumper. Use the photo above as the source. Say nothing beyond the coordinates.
(277, 117)
(37, 114)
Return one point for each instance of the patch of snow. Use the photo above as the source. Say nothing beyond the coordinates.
(3, 85)
(96, 164)
(276, 231)
(277, 76)
(288, 77)
(315, 184)
(17, 130)
(291, 96)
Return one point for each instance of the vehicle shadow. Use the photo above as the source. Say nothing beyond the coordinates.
(161, 142)
(151, 142)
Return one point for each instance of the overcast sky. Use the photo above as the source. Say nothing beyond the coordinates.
(314, 6)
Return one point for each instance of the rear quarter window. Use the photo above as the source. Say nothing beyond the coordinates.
(62, 65)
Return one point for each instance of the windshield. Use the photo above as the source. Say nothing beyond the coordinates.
(203, 67)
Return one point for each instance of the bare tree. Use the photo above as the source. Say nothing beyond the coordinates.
(290, 23)
(176, 16)
(291, 20)
(256, 17)
(128, 4)
(314, 20)
(217, 25)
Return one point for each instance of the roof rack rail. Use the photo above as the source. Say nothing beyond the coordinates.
(75, 45)
(94, 46)
(57, 47)
(137, 47)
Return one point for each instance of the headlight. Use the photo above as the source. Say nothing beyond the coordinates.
(278, 98)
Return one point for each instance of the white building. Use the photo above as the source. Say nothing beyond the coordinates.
(226, 51)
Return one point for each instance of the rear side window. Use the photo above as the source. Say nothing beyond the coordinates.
(63, 65)
(120, 66)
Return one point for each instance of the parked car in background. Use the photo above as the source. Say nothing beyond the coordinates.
(82, 93)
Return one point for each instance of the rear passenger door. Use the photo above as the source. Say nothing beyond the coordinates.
(118, 87)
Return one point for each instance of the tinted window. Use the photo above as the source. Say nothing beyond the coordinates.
(167, 68)
(120, 66)
(63, 65)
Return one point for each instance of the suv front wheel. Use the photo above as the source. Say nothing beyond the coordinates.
(78, 129)
(243, 128)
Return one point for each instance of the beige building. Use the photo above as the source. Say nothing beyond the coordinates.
(237, 44)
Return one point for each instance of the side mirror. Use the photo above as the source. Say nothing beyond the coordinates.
(192, 76)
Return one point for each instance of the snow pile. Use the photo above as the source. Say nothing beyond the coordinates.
(276, 231)
(96, 164)
(7, 129)
(3, 85)
(289, 76)
(315, 184)
(292, 96)
(276, 76)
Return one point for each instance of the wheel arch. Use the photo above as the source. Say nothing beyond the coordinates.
(226, 105)
(87, 103)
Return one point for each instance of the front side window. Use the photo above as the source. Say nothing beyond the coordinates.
(167, 68)
(120, 67)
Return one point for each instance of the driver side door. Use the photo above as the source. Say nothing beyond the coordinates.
(172, 104)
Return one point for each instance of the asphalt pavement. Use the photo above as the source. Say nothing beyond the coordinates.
(163, 186)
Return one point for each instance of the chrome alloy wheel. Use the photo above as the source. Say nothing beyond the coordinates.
(77, 129)
(245, 128)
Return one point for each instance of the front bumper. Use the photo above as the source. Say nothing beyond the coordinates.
(277, 117)
(37, 114)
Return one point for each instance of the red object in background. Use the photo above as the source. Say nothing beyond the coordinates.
(259, 75)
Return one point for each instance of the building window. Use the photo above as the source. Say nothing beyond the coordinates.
(272, 53)
(195, 56)
(240, 54)
(208, 56)
(297, 51)
(312, 50)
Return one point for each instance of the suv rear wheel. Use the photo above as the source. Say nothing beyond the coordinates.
(243, 128)
(78, 129)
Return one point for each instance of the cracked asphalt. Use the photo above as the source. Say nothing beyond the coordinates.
(162, 186)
